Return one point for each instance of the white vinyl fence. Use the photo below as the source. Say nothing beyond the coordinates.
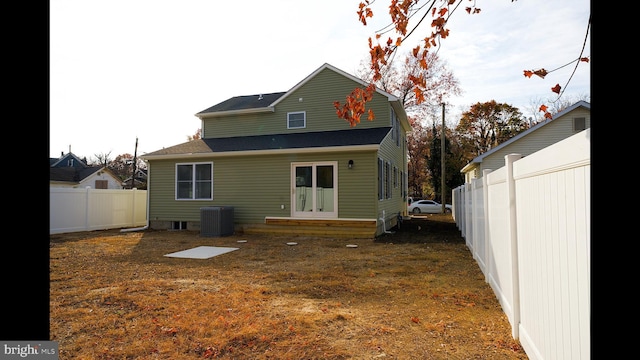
(527, 225)
(73, 209)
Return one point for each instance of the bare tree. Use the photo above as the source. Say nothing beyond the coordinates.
(101, 159)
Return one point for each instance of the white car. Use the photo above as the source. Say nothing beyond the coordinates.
(428, 207)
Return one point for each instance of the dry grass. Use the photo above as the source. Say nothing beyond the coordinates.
(415, 294)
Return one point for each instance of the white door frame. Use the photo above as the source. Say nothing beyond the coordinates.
(314, 202)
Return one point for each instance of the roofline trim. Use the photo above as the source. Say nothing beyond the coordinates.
(332, 149)
(267, 109)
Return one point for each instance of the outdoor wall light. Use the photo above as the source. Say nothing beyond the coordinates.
(350, 164)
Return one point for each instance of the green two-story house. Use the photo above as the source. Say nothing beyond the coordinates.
(287, 158)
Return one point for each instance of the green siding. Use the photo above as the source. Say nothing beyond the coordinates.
(393, 153)
(318, 96)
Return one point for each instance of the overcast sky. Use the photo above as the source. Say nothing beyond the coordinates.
(121, 70)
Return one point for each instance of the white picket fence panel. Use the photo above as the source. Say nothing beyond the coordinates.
(528, 227)
(75, 209)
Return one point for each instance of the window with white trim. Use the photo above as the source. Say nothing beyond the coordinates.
(395, 124)
(194, 181)
(296, 120)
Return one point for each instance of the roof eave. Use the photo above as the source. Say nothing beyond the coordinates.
(333, 149)
(468, 167)
(236, 112)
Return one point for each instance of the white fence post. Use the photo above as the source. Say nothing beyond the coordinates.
(487, 234)
(513, 239)
(87, 208)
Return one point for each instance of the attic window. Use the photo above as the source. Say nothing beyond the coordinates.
(296, 120)
(579, 124)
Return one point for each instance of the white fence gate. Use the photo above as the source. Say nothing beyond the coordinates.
(527, 225)
(73, 209)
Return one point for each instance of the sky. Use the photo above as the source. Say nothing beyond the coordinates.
(127, 70)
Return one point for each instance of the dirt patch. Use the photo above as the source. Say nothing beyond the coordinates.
(414, 294)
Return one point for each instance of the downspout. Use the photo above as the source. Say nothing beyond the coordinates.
(384, 226)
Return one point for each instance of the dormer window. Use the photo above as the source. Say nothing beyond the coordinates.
(70, 162)
(296, 120)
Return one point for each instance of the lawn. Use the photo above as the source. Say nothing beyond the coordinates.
(413, 294)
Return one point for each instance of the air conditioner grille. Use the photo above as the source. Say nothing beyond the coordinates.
(216, 221)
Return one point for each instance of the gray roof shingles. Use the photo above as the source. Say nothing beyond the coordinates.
(71, 174)
(350, 137)
(244, 102)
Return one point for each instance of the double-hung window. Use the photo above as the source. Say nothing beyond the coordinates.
(296, 120)
(194, 181)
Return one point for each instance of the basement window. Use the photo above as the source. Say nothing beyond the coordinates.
(179, 225)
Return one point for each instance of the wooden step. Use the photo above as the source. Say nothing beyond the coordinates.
(363, 223)
(343, 229)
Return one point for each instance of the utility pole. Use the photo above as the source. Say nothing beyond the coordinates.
(442, 189)
(135, 160)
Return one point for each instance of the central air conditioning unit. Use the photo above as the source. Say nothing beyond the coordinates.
(216, 221)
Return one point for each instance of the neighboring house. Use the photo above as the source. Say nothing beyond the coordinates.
(140, 181)
(564, 124)
(287, 155)
(71, 171)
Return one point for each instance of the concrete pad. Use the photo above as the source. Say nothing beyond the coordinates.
(201, 252)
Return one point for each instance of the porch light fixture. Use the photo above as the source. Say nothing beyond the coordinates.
(350, 165)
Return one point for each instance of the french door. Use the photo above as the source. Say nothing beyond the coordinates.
(314, 189)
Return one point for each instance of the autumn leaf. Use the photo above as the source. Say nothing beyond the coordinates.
(556, 89)
(547, 114)
(415, 51)
(364, 12)
(584, 59)
(415, 319)
(541, 72)
(370, 115)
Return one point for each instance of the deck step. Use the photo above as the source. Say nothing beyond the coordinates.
(342, 231)
(350, 223)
